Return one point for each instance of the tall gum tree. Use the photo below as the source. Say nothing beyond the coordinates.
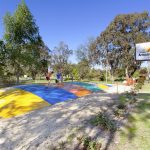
(116, 44)
(22, 39)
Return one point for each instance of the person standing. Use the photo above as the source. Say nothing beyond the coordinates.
(59, 77)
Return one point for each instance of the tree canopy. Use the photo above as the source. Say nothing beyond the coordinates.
(116, 45)
(60, 56)
(23, 42)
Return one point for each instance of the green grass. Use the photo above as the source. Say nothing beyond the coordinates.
(27, 82)
(136, 134)
(146, 88)
(39, 81)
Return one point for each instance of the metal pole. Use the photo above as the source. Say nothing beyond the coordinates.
(106, 73)
(148, 68)
(117, 87)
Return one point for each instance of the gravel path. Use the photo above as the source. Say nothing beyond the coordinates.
(42, 128)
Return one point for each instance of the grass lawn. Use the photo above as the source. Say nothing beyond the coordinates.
(146, 88)
(23, 81)
(136, 134)
(27, 82)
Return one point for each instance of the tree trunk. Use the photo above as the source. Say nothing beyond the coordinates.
(106, 74)
(17, 72)
(127, 73)
(33, 75)
(17, 77)
(107, 70)
(112, 78)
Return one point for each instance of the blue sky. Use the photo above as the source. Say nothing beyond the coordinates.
(73, 21)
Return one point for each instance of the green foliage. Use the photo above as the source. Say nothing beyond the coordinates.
(136, 74)
(103, 120)
(87, 59)
(75, 72)
(102, 76)
(3, 56)
(141, 79)
(116, 45)
(23, 42)
(122, 99)
(119, 79)
(89, 144)
(60, 56)
(140, 83)
(125, 99)
(119, 72)
(83, 69)
(119, 112)
(143, 71)
(71, 137)
(87, 52)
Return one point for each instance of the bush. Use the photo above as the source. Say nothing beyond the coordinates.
(89, 144)
(6, 80)
(119, 79)
(119, 112)
(140, 82)
(136, 74)
(102, 77)
(121, 107)
(103, 120)
(143, 71)
(122, 102)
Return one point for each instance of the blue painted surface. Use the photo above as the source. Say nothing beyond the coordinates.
(52, 95)
(87, 86)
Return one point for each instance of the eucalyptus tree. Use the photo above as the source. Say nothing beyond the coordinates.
(22, 40)
(2, 57)
(116, 44)
(60, 57)
(88, 52)
(87, 57)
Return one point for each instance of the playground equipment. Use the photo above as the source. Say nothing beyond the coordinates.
(21, 99)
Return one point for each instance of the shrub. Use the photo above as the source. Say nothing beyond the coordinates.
(136, 74)
(103, 120)
(89, 144)
(143, 71)
(140, 82)
(119, 79)
(126, 99)
(121, 106)
(122, 102)
(102, 77)
(119, 112)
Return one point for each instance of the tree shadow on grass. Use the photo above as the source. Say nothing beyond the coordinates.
(128, 124)
(138, 113)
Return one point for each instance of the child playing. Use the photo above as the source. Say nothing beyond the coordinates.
(48, 76)
(59, 77)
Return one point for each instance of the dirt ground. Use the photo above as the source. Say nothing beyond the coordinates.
(45, 128)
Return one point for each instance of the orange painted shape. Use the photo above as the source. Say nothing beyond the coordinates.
(80, 92)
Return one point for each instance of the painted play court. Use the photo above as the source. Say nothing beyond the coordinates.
(21, 99)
